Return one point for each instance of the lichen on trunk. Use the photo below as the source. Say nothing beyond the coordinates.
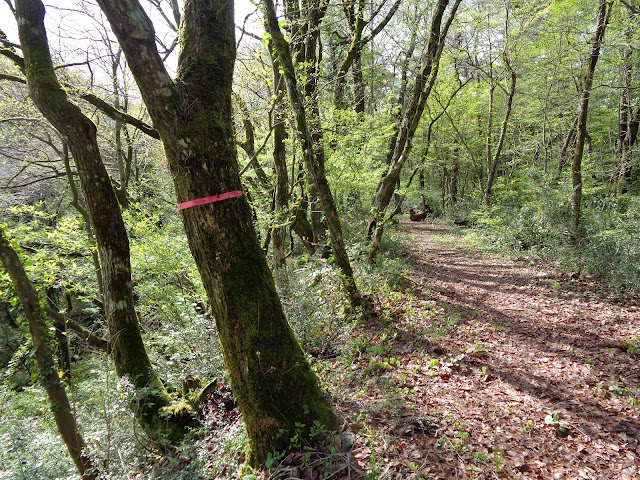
(127, 348)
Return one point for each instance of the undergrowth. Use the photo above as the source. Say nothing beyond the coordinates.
(608, 246)
(181, 339)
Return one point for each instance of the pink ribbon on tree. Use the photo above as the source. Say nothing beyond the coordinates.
(212, 199)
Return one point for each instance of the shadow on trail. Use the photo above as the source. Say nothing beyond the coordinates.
(452, 278)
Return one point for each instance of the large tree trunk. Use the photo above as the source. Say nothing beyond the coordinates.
(411, 118)
(47, 371)
(127, 348)
(86, 218)
(313, 151)
(604, 12)
(271, 379)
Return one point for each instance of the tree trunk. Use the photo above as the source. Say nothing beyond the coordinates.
(310, 17)
(249, 146)
(565, 146)
(122, 161)
(489, 139)
(86, 219)
(47, 371)
(271, 379)
(627, 124)
(358, 84)
(455, 170)
(604, 12)
(357, 23)
(492, 163)
(411, 118)
(313, 153)
(281, 194)
(128, 351)
(402, 97)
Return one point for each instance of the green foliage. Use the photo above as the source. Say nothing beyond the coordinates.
(547, 43)
(57, 248)
(30, 446)
(376, 367)
(356, 160)
(171, 301)
(29, 440)
(609, 247)
(310, 300)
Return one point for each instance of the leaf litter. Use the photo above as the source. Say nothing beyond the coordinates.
(489, 368)
(480, 368)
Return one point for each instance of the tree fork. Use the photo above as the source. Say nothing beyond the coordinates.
(269, 374)
(127, 348)
(312, 159)
(411, 118)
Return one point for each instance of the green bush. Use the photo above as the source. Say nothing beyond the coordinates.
(608, 248)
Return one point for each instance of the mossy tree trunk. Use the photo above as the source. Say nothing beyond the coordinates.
(311, 141)
(304, 24)
(127, 348)
(271, 379)
(47, 371)
(604, 12)
(281, 193)
(403, 141)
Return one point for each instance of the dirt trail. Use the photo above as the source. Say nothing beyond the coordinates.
(522, 373)
(477, 367)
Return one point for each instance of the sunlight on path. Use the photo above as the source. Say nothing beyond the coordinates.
(546, 382)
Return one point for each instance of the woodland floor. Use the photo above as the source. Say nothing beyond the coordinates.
(484, 367)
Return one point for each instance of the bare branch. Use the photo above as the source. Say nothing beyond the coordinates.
(89, 337)
(116, 114)
(12, 78)
(635, 9)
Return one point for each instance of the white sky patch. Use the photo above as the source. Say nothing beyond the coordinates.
(77, 31)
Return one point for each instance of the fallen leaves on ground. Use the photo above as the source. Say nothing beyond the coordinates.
(486, 368)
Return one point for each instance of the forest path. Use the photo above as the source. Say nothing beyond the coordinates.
(529, 370)
(473, 367)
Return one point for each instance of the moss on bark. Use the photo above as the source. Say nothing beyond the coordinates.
(127, 348)
(270, 377)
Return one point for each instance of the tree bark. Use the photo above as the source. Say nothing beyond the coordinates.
(565, 146)
(270, 377)
(86, 219)
(313, 152)
(47, 371)
(127, 348)
(281, 194)
(249, 145)
(494, 160)
(357, 23)
(604, 12)
(304, 25)
(628, 122)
